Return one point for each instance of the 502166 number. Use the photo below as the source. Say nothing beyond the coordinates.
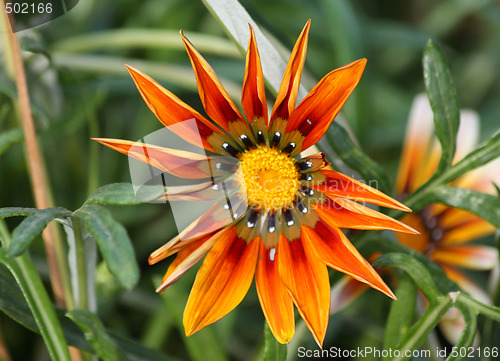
(25, 8)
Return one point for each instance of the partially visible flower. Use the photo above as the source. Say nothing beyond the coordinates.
(444, 231)
(289, 228)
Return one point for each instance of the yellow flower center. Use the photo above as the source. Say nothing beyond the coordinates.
(271, 178)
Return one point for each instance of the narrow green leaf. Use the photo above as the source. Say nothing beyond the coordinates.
(444, 102)
(479, 307)
(355, 158)
(485, 206)
(96, 334)
(36, 297)
(17, 211)
(13, 305)
(122, 194)
(485, 153)
(9, 138)
(418, 333)
(31, 227)
(468, 334)
(113, 242)
(273, 350)
(401, 313)
(414, 268)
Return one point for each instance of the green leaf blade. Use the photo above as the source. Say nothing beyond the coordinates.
(444, 102)
(31, 227)
(113, 242)
(9, 138)
(273, 350)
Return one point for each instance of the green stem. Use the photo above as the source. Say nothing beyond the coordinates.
(488, 311)
(81, 270)
(417, 334)
(36, 296)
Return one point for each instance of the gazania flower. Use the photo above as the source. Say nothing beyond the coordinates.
(445, 233)
(289, 228)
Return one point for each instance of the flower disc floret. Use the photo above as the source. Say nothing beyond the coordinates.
(271, 178)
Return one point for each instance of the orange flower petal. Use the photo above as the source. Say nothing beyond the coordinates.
(418, 242)
(307, 281)
(222, 281)
(346, 291)
(171, 110)
(468, 231)
(173, 161)
(253, 97)
(333, 248)
(340, 185)
(473, 257)
(214, 97)
(415, 147)
(187, 257)
(343, 213)
(316, 112)
(275, 301)
(289, 88)
(211, 221)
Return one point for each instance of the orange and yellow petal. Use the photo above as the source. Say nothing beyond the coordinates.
(475, 257)
(466, 284)
(307, 281)
(253, 97)
(289, 88)
(170, 110)
(419, 242)
(222, 281)
(177, 162)
(343, 213)
(275, 301)
(316, 112)
(339, 185)
(214, 97)
(333, 248)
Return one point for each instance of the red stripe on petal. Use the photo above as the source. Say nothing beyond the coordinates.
(315, 113)
(171, 110)
(214, 97)
(222, 281)
(333, 248)
(276, 303)
(306, 278)
(289, 88)
(253, 97)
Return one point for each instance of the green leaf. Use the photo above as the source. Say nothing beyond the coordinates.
(273, 350)
(9, 138)
(479, 307)
(401, 313)
(414, 268)
(485, 206)
(36, 297)
(444, 102)
(468, 334)
(31, 227)
(17, 211)
(485, 153)
(113, 242)
(96, 334)
(355, 158)
(13, 305)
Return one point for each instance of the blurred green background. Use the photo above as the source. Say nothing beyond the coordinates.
(80, 88)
